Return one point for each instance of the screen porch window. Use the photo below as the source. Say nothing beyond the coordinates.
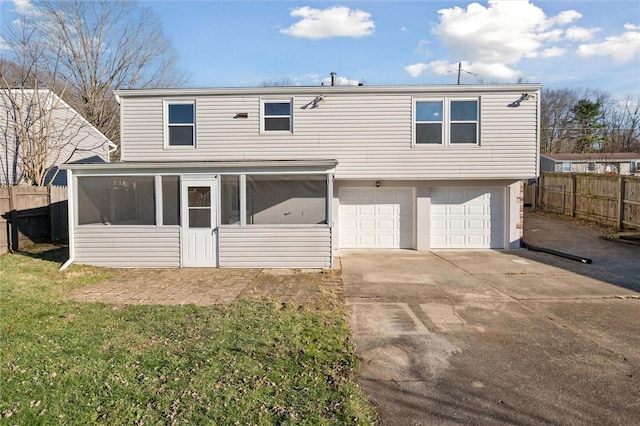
(230, 200)
(181, 125)
(277, 115)
(122, 200)
(286, 199)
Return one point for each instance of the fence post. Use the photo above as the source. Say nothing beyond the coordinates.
(620, 216)
(14, 242)
(572, 201)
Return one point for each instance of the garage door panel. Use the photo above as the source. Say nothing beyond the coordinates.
(382, 218)
(467, 218)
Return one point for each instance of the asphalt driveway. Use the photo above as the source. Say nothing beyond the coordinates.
(500, 337)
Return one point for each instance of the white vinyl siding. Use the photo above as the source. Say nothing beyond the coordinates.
(370, 134)
(275, 246)
(463, 218)
(127, 246)
(376, 218)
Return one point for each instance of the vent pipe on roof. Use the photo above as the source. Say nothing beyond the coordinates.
(333, 78)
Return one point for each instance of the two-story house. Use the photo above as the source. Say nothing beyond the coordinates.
(288, 176)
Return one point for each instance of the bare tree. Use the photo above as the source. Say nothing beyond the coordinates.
(622, 125)
(555, 118)
(38, 128)
(98, 46)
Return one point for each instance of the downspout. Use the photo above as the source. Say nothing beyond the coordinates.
(71, 216)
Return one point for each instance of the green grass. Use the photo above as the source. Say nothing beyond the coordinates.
(251, 362)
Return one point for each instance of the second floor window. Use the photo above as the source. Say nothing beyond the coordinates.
(464, 121)
(181, 124)
(277, 116)
(429, 122)
(446, 122)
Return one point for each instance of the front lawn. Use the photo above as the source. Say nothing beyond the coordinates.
(251, 362)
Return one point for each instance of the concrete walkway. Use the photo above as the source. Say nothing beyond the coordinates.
(499, 337)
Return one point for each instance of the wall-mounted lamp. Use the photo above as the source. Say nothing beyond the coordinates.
(377, 184)
(315, 103)
(523, 97)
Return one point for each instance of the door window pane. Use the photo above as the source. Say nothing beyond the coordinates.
(199, 206)
(199, 196)
(199, 218)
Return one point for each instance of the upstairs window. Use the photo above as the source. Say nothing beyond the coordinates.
(464, 121)
(446, 121)
(429, 121)
(277, 116)
(181, 123)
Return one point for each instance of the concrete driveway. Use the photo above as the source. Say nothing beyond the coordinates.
(498, 337)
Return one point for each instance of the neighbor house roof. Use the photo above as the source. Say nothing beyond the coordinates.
(599, 156)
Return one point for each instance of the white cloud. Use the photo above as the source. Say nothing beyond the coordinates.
(499, 71)
(25, 8)
(553, 52)
(580, 33)
(415, 70)
(621, 48)
(493, 38)
(337, 21)
(423, 47)
(566, 17)
(631, 27)
(3, 44)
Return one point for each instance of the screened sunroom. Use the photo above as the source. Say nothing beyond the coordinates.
(209, 214)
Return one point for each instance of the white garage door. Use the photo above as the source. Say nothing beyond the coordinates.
(376, 218)
(467, 218)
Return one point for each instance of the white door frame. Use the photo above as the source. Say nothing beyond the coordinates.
(199, 245)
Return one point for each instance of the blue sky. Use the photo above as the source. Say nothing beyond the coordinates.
(574, 44)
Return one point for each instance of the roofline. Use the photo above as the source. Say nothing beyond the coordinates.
(211, 165)
(593, 157)
(314, 90)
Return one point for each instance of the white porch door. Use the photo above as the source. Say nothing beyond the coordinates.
(199, 221)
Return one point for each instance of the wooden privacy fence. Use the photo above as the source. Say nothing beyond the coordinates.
(30, 214)
(612, 200)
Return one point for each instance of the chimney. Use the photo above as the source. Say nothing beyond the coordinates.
(333, 78)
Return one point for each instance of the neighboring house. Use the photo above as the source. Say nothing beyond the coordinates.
(62, 135)
(624, 163)
(286, 176)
